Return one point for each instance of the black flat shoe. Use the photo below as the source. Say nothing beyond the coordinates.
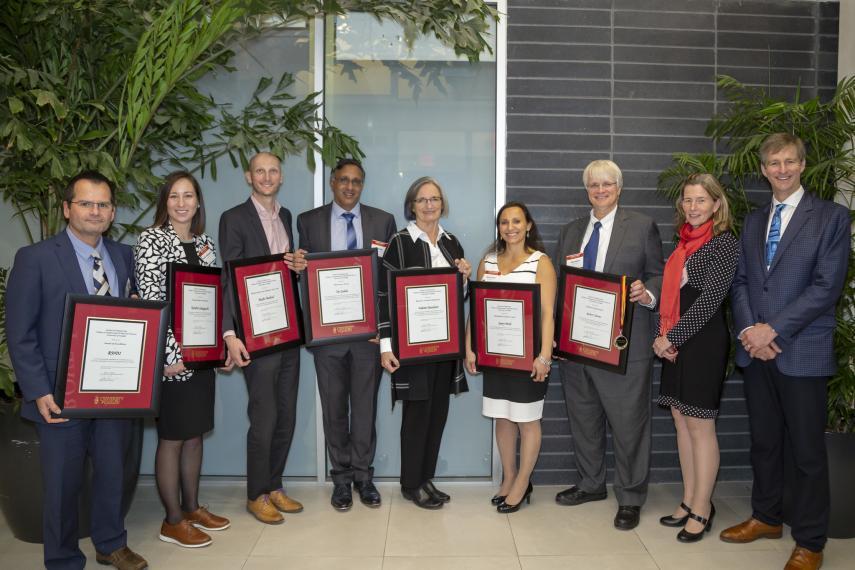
(368, 493)
(342, 498)
(673, 521)
(497, 500)
(576, 496)
(627, 517)
(686, 536)
(505, 508)
(436, 493)
(421, 498)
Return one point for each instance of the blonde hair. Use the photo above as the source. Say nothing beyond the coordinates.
(777, 142)
(721, 218)
(606, 167)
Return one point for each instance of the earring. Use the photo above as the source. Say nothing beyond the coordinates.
(526, 233)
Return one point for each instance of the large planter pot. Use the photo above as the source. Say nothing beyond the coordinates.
(21, 476)
(841, 468)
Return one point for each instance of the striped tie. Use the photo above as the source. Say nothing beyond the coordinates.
(99, 278)
(351, 231)
(589, 255)
(774, 235)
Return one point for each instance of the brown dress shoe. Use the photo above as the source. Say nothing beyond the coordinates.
(804, 559)
(262, 509)
(285, 503)
(123, 558)
(184, 534)
(749, 531)
(202, 518)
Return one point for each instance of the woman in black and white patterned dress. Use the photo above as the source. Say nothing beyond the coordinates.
(187, 397)
(694, 341)
(513, 398)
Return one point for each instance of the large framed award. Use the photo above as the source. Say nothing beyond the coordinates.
(594, 318)
(267, 312)
(339, 296)
(426, 311)
(195, 295)
(111, 357)
(505, 324)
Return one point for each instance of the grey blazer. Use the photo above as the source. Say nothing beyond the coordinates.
(635, 250)
(314, 227)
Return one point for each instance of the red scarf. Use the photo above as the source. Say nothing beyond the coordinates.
(691, 240)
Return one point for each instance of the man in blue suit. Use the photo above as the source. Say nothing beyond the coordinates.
(78, 260)
(792, 267)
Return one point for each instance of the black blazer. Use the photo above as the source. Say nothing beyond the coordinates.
(242, 236)
(315, 234)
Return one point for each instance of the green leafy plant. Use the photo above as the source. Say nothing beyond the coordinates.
(828, 129)
(7, 387)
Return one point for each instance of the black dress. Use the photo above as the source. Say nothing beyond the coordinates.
(187, 408)
(693, 383)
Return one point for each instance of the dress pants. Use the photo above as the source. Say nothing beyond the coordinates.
(422, 424)
(789, 411)
(272, 383)
(593, 397)
(64, 448)
(348, 378)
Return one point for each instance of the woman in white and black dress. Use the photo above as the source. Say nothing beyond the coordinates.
(694, 341)
(513, 398)
(187, 397)
(424, 389)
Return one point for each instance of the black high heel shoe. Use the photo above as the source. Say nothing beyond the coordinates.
(505, 508)
(686, 536)
(497, 500)
(673, 521)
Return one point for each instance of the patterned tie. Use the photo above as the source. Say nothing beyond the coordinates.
(351, 231)
(774, 235)
(99, 278)
(589, 259)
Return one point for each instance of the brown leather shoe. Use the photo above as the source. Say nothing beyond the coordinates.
(202, 518)
(184, 534)
(285, 503)
(749, 531)
(262, 509)
(123, 558)
(804, 559)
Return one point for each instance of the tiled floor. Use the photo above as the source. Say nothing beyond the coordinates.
(466, 534)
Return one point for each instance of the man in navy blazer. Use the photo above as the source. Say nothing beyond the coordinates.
(78, 260)
(792, 267)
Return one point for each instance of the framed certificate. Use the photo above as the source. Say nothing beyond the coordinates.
(111, 357)
(505, 324)
(594, 318)
(339, 296)
(426, 310)
(195, 297)
(268, 317)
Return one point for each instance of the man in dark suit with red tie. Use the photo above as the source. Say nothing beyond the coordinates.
(792, 266)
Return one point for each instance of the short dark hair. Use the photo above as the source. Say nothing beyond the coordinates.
(91, 176)
(533, 241)
(342, 162)
(161, 216)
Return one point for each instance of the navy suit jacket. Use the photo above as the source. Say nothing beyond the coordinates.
(43, 274)
(798, 293)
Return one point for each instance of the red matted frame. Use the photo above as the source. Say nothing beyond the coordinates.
(268, 342)
(82, 313)
(527, 295)
(179, 276)
(318, 332)
(570, 281)
(452, 347)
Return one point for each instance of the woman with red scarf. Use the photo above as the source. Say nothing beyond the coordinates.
(693, 341)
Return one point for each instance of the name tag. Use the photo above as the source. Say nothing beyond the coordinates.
(575, 260)
(379, 246)
(488, 272)
(207, 255)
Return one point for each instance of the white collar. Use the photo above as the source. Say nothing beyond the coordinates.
(792, 200)
(416, 232)
(606, 220)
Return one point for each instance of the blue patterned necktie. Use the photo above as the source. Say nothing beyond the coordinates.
(351, 231)
(99, 278)
(774, 235)
(589, 257)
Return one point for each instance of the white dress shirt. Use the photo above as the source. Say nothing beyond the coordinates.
(787, 213)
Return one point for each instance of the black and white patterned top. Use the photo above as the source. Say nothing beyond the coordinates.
(155, 248)
(710, 270)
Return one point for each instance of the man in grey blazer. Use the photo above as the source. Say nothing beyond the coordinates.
(262, 226)
(348, 373)
(617, 241)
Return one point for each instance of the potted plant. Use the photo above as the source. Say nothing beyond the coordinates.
(828, 130)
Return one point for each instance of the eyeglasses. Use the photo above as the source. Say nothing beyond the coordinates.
(355, 182)
(433, 200)
(604, 186)
(87, 205)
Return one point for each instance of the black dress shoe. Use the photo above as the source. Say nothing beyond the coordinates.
(576, 496)
(368, 493)
(627, 517)
(505, 508)
(436, 493)
(421, 498)
(342, 499)
(497, 500)
(686, 536)
(673, 521)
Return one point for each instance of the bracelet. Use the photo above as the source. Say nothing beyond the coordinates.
(544, 361)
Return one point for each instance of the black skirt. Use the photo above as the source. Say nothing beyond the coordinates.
(187, 408)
